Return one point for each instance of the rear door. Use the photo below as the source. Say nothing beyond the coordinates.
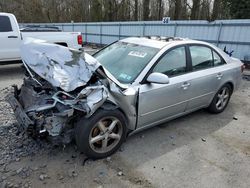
(159, 102)
(10, 40)
(206, 76)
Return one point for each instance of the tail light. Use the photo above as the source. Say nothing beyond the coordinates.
(79, 39)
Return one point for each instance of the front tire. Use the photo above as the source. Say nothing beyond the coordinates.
(101, 134)
(221, 99)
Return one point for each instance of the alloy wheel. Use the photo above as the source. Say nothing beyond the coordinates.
(105, 134)
(222, 98)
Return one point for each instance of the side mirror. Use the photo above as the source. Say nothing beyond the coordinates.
(158, 78)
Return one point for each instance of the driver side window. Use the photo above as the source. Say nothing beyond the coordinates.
(173, 63)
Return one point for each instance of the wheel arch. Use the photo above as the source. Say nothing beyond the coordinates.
(108, 105)
(231, 85)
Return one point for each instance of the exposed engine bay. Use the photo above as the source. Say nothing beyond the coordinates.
(62, 85)
(53, 110)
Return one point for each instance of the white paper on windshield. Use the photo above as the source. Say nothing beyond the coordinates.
(125, 76)
(137, 54)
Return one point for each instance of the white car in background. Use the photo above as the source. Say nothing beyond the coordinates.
(11, 37)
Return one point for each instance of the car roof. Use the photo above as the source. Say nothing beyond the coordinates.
(160, 42)
(145, 42)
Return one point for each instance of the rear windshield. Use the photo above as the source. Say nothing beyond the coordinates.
(5, 25)
(125, 61)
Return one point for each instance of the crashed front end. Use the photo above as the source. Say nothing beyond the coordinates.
(46, 111)
(61, 85)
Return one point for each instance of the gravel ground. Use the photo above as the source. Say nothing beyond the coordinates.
(198, 150)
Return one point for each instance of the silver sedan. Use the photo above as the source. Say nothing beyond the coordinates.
(128, 86)
(170, 79)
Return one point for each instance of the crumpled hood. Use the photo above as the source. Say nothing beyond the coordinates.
(62, 67)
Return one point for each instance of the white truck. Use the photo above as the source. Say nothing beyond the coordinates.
(11, 37)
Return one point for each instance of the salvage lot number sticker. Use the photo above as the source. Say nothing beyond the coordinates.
(137, 54)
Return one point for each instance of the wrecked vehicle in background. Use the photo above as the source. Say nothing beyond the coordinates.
(69, 95)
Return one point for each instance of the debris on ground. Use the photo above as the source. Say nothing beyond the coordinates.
(246, 77)
(85, 161)
(72, 173)
(203, 139)
(108, 159)
(43, 165)
(235, 118)
(97, 180)
(120, 173)
(60, 177)
(43, 177)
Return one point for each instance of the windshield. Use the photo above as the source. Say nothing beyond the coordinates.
(125, 61)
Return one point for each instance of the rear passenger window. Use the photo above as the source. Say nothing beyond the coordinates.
(5, 25)
(217, 59)
(201, 56)
(173, 63)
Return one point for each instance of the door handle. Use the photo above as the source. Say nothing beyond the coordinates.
(219, 75)
(12, 37)
(185, 85)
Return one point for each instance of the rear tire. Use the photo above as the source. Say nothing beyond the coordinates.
(221, 99)
(101, 134)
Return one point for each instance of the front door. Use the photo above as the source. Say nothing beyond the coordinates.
(159, 102)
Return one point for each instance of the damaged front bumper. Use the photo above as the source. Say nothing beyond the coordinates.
(47, 111)
(42, 121)
(23, 120)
